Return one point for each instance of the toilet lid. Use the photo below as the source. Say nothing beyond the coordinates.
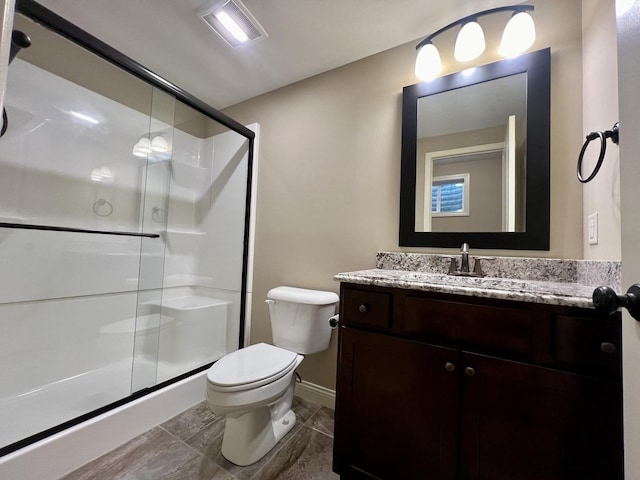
(250, 365)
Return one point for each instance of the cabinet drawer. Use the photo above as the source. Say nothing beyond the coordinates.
(372, 309)
(588, 342)
(495, 328)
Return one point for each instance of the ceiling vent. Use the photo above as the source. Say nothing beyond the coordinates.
(233, 22)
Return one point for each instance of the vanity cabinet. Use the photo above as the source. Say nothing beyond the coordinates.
(439, 386)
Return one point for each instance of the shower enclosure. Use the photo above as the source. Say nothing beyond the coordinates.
(123, 232)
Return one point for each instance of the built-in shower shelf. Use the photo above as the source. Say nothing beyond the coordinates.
(181, 163)
(187, 280)
(189, 176)
(188, 302)
(178, 231)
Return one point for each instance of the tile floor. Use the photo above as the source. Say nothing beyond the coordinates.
(187, 447)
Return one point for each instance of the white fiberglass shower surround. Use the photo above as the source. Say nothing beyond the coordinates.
(123, 232)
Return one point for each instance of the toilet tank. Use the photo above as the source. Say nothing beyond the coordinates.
(300, 318)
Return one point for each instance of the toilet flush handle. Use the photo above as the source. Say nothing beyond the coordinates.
(269, 302)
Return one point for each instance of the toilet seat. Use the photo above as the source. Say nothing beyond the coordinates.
(250, 367)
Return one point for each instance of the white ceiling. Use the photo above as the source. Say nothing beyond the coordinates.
(306, 37)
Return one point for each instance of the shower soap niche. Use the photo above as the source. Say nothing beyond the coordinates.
(193, 177)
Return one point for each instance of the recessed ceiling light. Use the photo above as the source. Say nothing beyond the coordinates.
(234, 29)
(232, 21)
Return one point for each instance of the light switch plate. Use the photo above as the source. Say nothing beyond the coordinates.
(592, 229)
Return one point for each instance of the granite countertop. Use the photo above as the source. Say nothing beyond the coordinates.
(553, 282)
(554, 293)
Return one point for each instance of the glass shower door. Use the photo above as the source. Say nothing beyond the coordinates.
(123, 237)
(202, 301)
(71, 234)
(156, 147)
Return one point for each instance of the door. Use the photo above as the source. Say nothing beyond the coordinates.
(509, 177)
(398, 399)
(628, 25)
(526, 422)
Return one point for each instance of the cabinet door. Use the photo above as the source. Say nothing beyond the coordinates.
(531, 423)
(396, 408)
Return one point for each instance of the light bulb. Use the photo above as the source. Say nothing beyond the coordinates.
(159, 144)
(470, 42)
(623, 6)
(428, 64)
(142, 148)
(518, 35)
(231, 25)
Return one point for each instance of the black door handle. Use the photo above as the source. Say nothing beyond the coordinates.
(606, 300)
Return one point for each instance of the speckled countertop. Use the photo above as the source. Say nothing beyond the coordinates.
(549, 281)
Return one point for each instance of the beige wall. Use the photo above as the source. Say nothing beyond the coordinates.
(329, 178)
(600, 93)
(485, 196)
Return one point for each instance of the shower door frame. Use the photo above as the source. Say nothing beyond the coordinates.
(68, 30)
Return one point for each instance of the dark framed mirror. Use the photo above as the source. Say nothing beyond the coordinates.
(476, 157)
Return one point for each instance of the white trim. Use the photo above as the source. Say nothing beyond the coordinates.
(509, 177)
(59, 454)
(255, 127)
(317, 394)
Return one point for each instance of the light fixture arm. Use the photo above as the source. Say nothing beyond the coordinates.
(468, 18)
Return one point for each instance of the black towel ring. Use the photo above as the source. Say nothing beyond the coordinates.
(613, 134)
(5, 122)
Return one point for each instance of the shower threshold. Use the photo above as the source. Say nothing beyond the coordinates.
(29, 413)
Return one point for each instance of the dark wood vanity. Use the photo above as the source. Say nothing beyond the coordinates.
(438, 386)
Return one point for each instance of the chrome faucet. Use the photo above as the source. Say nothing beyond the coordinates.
(465, 271)
(464, 252)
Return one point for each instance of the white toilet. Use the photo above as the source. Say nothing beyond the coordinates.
(253, 387)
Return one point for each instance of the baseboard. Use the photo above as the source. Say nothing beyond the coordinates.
(317, 394)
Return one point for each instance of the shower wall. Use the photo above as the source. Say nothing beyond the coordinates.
(89, 317)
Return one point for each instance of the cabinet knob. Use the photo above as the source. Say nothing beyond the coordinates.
(469, 371)
(363, 308)
(449, 367)
(608, 347)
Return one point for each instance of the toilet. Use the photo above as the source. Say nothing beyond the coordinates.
(254, 386)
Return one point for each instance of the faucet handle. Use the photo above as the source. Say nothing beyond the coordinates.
(477, 268)
(453, 266)
(464, 248)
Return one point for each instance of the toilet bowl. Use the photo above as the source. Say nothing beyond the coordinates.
(254, 386)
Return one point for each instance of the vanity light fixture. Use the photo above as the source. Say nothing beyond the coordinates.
(518, 36)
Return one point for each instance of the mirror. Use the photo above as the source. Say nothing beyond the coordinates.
(475, 157)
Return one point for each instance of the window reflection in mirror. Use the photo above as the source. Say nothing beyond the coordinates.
(478, 131)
